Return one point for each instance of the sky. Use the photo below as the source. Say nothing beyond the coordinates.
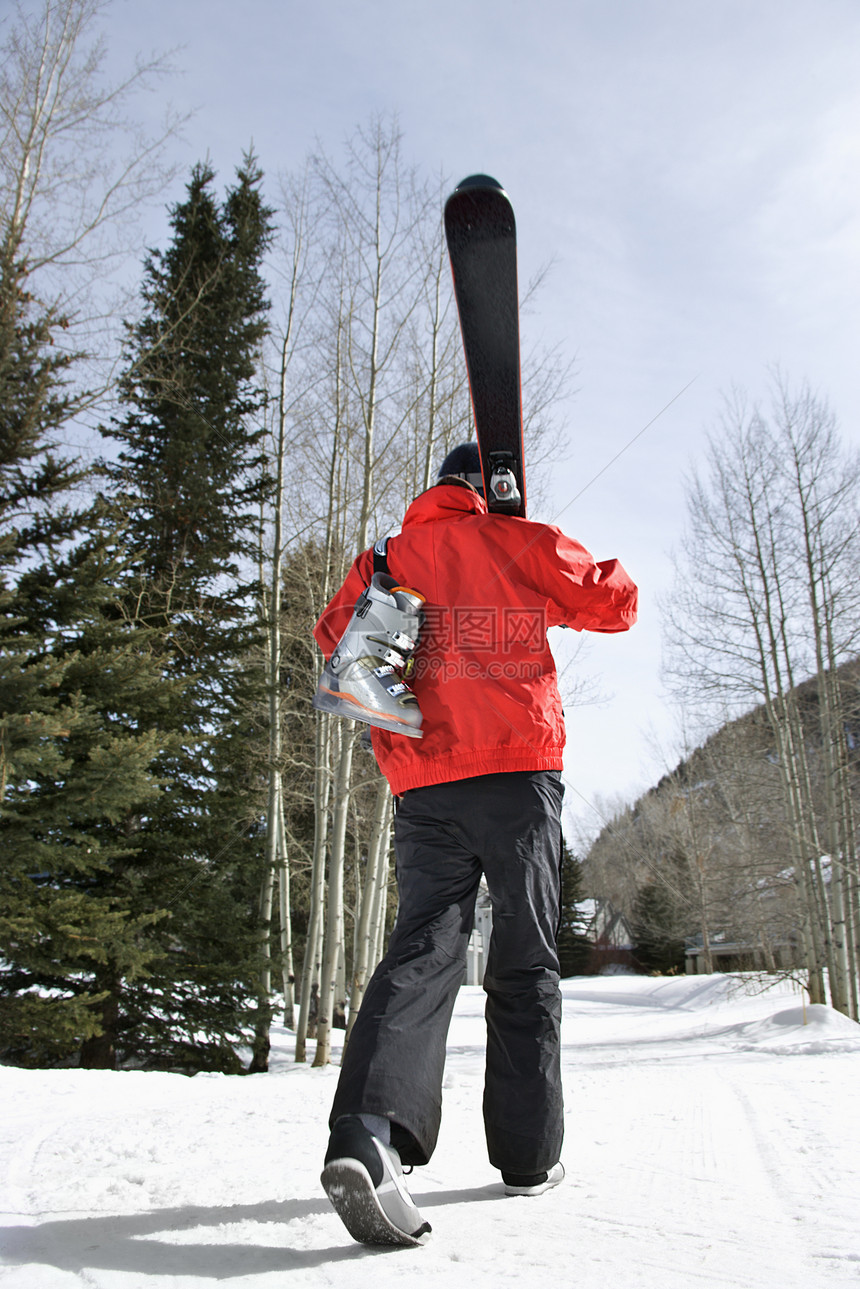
(688, 167)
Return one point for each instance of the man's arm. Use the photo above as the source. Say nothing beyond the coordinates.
(584, 594)
(336, 616)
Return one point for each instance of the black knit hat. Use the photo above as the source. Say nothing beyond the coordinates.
(465, 462)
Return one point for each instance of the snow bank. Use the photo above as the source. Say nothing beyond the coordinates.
(800, 1030)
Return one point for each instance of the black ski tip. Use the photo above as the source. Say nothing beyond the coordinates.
(478, 193)
(478, 181)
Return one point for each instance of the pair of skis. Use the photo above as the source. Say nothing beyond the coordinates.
(482, 244)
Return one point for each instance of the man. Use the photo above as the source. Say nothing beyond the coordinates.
(479, 792)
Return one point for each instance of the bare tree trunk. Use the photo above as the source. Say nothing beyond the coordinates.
(707, 956)
(325, 736)
(366, 935)
(288, 971)
(276, 844)
(799, 841)
(820, 493)
(437, 317)
(380, 911)
(338, 1011)
(263, 1019)
(317, 894)
(334, 917)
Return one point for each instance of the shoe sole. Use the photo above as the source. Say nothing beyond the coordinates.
(353, 1197)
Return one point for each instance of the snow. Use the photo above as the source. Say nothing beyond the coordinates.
(713, 1139)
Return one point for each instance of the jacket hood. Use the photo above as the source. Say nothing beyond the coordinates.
(444, 501)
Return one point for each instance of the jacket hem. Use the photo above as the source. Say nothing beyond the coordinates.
(471, 766)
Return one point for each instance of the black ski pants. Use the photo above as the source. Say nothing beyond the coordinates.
(508, 827)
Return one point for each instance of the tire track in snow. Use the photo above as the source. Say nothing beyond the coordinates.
(682, 1167)
(817, 1180)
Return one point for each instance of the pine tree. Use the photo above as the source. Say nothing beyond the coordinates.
(190, 468)
(189, 477)
(68, 884)
(657, 945)
(34, 403)
(72, 750)
(574, 948)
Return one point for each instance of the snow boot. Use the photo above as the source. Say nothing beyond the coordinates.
(535, 1185)
(363, 679)
(363, 1178)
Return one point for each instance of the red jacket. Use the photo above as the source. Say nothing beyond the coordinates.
(484, 675)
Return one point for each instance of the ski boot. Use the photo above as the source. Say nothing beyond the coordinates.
(363, 679)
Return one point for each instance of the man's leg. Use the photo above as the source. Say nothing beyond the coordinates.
(394, 1061)
(523, 1107)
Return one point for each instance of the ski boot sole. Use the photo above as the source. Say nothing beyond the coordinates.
(326, 700)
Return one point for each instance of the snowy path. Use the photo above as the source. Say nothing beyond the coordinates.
(713, 1139)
